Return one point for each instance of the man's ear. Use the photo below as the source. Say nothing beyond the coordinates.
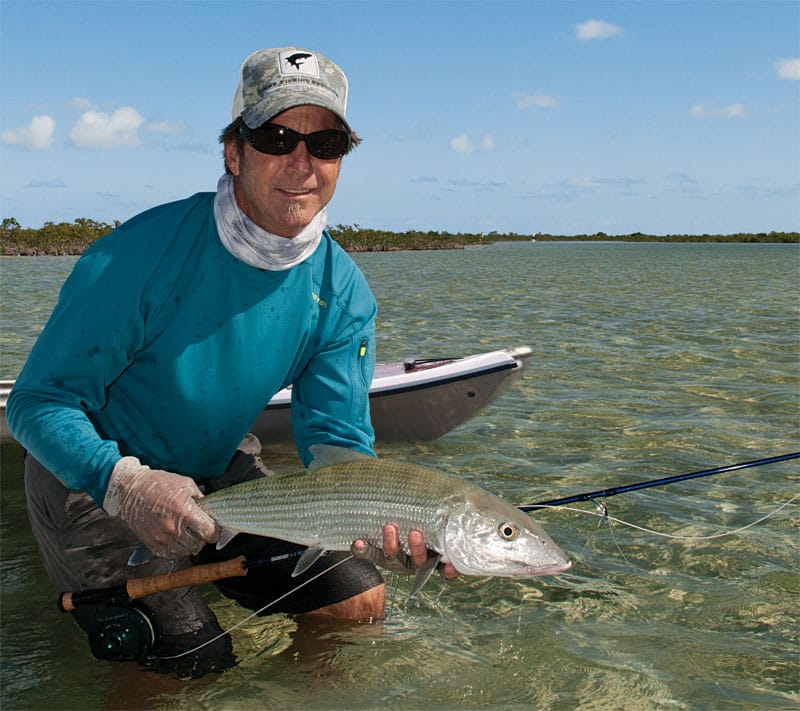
(233, 157)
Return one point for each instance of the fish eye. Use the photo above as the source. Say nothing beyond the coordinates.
(508, 531)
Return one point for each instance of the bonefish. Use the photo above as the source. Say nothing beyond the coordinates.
(346, 496)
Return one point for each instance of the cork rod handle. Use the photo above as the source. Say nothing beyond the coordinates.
(195, 575)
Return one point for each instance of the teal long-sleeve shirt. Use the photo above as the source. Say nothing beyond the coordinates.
(165, 347)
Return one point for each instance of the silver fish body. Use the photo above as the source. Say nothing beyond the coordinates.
(329, 507)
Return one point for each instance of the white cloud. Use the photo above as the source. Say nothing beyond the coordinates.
(483, 185)
(596, 29)
(544, 101)
(96, 129)
(36, 135)
(583, 182)
(165, 127)
(79, 103)
(51, 183)
(488, 143)
(463, 145)
(710, 111)
(788, 68)
(680, 178)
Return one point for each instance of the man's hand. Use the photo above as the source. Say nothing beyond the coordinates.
(394, 558)
(160, 508)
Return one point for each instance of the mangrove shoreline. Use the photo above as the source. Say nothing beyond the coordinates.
(73, 238)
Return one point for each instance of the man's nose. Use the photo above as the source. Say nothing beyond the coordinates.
(300, 158)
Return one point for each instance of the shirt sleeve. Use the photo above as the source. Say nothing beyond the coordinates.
(330, 399)
(85, 344)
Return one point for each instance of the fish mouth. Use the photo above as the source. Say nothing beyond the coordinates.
(552, 569)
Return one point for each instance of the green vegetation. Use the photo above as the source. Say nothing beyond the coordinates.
(784, 237)
(73, 238)
(360, 239)
(51, 238)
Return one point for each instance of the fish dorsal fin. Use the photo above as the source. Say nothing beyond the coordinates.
(424, 574)
(326, 455)
(307, 559)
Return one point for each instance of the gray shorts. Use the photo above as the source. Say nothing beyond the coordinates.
(82, 548)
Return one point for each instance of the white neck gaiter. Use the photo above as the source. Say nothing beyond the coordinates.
(246, 241)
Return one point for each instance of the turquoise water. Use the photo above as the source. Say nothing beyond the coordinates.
(649, 360)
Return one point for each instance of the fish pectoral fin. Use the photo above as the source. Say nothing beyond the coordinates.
(424, 574)
(307, 559)
(227, 535)
(141, 555)
(326, 455)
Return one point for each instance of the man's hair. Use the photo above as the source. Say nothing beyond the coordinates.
(231, 133)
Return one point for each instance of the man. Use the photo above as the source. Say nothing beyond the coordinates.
(168, 339)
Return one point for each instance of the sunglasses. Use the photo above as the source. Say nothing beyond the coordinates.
(280, 141)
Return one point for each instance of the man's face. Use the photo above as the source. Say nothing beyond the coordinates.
(281, 194)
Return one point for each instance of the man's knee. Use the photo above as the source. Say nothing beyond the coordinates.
(368, 605)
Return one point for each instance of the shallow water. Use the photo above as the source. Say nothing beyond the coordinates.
(649, 360)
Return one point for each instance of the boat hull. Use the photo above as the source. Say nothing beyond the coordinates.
(410, 401)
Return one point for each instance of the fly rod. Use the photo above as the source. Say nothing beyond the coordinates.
(605, 493)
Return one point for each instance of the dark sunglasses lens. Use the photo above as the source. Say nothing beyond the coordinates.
(275, 140)
(326, 145)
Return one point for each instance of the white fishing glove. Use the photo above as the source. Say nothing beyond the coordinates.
(159, 507)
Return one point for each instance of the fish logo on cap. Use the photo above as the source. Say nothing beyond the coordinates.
(298, 63)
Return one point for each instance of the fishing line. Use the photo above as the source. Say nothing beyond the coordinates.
(604, 515)
(258, 612)
(393, 596)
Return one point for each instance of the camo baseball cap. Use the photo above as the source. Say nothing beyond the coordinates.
(274, 80)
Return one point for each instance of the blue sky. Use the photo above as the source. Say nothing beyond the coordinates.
(560, 117)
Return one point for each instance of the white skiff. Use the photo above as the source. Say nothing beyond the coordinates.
(418, 399)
